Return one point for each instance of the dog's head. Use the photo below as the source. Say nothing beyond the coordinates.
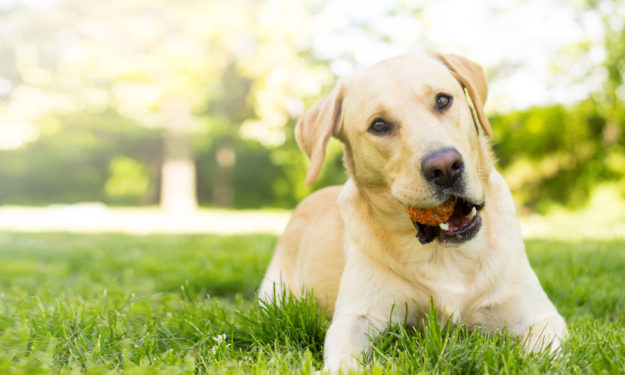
(410, 135)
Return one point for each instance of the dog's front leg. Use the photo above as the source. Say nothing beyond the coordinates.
(528, 313)
(348, 336)
(370, 296)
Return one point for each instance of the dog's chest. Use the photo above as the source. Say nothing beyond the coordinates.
(446, 276)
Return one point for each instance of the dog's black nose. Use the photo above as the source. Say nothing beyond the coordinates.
(443, 167)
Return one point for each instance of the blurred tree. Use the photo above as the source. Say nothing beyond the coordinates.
(559, 154)
(84, 157)
(210, 69)
(219, 86)
(610, 101)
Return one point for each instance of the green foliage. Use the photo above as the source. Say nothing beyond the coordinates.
(262, 176)
(104, 157)
(71, 162)
(129, 180)
(254, 175)
(241, 71)
(558, 155)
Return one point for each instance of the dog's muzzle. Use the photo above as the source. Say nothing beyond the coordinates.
(462, 225)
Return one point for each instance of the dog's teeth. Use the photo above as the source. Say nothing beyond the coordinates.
(443, 226)
(472, 213)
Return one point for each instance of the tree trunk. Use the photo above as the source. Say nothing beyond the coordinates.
(223, 192)
(178, 169)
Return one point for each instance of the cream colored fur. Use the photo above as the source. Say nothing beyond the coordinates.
(355, 246)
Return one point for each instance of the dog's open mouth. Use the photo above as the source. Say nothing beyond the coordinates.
(461, 226)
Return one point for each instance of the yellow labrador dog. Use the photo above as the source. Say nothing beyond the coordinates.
(411, 138)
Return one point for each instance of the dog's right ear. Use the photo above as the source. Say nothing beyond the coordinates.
(316, 126)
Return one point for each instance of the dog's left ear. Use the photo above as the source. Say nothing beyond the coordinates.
(316, 126)
(472, 77)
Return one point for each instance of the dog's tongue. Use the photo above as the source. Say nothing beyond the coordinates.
(458, 220)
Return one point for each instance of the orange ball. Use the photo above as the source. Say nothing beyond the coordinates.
(434, 215)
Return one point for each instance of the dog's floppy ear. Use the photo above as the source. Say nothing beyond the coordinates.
(316, 126)
(472, 77)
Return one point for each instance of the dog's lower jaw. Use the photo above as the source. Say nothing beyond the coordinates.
(425, 233)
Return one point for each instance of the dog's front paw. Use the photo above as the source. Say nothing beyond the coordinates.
(335, 365)
(545, 334)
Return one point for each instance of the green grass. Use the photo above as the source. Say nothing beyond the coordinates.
(110, 303)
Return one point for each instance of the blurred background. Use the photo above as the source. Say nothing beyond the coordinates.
(163, 107)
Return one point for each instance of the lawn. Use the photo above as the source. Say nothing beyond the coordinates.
(111, 303)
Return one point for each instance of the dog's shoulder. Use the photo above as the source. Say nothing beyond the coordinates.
(319, 203)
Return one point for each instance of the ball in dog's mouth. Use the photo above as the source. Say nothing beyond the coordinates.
(454, 221)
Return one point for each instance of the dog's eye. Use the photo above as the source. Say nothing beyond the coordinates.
(443, 101)
(379, 126)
